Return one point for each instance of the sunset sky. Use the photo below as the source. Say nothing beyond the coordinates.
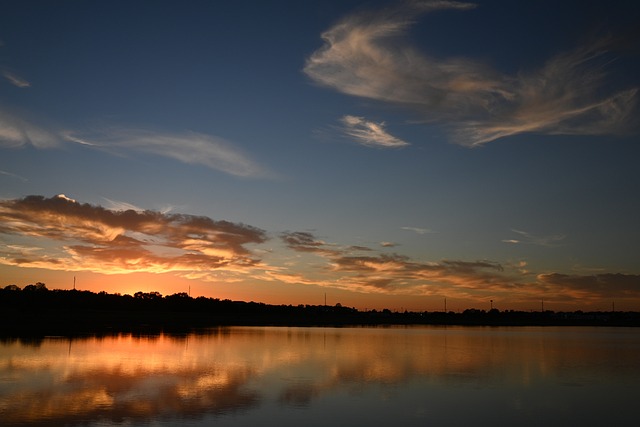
(384, 154)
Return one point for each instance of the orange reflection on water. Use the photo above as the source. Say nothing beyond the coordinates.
(124, 377)
(119, 377)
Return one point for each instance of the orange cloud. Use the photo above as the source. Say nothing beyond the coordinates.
(62, 234)
(591, 287)
(106, 241)
(391, 273)
(400, 275)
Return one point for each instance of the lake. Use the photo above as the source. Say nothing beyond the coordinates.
(277, 376)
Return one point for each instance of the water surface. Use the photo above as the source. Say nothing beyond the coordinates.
(326, 377)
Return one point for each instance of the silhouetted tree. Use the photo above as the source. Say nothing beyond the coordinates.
(178, 295)
(39, 286)
(154, 295)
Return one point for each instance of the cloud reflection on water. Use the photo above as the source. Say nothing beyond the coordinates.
(230, 370)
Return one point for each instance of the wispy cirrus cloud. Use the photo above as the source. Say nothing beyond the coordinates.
(188, 147)
(370, 133)
(388, 244)
(215, 153)
(13, 175)
(69, 136)
(418, 230)
(15, 79)
(531, 239)
(365, 55)
(17, 131)
(93, 238)
(116, 205)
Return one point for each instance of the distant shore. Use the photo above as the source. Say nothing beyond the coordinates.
(38, 311)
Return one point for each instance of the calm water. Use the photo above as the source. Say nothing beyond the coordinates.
(327, 377)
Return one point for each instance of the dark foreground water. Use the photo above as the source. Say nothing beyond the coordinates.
(418, 376)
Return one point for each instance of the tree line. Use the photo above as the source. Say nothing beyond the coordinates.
(36, 309)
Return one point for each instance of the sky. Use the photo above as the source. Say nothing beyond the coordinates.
(377, 154)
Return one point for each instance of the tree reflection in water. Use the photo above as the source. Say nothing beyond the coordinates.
(272, 371)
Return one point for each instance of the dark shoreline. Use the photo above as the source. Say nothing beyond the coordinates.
(69, 313)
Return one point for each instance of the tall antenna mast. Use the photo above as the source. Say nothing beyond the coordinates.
(74, 283)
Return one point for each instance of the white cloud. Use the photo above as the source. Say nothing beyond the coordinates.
(13, 175)
(189, 147)
(364, 55)
(528, 238)
(14, 79)
(370, 133)
(65, 198)
(16, 131)
(418, 230)
(70, 137)
(116, 205)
